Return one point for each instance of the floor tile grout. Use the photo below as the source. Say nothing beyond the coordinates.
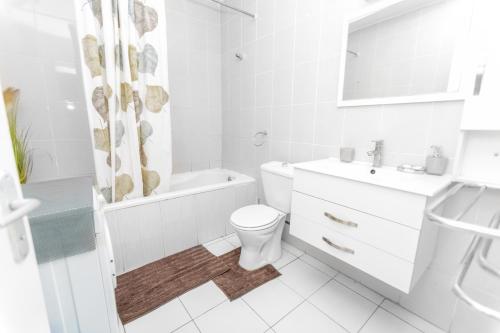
(378, 306)
(395, 315)
(288, 313)
(253, 310)
(346, 286)
(326, 314)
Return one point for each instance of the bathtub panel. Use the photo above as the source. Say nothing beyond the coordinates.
(116, 242)
(178, 224)
(213, 209)
(141, 240)
(149, 218)
(196, 211)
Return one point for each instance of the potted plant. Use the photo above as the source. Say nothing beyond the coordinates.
(19, 137)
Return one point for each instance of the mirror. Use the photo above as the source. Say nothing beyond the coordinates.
(405, 52)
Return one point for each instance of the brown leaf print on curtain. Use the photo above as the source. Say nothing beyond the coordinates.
(150, 181)
(101, 139)
(126, 96)
(119, 133)
(123, 186)
(132, 58)
(156, 98)
(106, 192)
(148, 59)
(137, 106)
(118, 162)
(145, 18)
(145, 131)
(91, 55)
(100, 100)
(96, 10)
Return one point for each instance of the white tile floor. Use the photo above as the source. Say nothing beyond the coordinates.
(309, 296)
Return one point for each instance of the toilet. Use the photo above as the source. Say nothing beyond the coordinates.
(259, 227)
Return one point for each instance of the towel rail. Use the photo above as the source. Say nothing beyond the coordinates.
(479, 247)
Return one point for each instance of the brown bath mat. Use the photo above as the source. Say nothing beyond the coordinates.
(236, 282)
(148, 287)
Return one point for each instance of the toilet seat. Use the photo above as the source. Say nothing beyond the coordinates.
(255, 217)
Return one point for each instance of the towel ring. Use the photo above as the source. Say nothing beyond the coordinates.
(261, 134)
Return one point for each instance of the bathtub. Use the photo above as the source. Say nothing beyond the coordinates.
(196, 210)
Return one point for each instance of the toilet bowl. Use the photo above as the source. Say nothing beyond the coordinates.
(260, 227)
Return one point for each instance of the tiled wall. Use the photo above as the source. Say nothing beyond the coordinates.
(193, 33)
(287, 85)
(38, 55)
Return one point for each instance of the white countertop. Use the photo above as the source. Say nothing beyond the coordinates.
(422, 184)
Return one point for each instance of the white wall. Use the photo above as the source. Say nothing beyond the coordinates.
(39, 56)
(287, 85)
(193, 31)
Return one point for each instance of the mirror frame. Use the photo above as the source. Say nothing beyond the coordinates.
(401, 5)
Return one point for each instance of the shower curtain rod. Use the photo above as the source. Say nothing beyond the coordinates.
(234, 8)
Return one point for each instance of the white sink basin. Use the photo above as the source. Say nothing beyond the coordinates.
(423, 184)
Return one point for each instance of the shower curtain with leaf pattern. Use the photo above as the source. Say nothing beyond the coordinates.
(124, 67)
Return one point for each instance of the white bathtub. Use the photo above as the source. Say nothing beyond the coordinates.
(189, 183)
(196, 210)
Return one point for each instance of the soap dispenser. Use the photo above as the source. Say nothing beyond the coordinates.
(435, 164)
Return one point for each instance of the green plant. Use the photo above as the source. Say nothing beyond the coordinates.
(19, 138)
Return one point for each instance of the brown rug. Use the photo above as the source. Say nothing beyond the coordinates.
(237, 281)
(146, 288)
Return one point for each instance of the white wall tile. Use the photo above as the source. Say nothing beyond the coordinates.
(306, 42)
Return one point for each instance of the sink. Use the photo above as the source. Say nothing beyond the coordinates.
(423, 184)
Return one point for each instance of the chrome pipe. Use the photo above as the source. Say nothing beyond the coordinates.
(234, 8)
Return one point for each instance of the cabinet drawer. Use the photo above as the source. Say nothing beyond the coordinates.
(397, 239)
(398, 206)
(381, 265)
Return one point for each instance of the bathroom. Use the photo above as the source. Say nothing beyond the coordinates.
(287, 175)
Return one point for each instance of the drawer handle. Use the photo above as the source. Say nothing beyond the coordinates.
(338, 247)
(336, 219)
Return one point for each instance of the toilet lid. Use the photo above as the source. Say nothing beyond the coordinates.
(254, 216)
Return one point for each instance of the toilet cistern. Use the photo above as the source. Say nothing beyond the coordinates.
(376, 153)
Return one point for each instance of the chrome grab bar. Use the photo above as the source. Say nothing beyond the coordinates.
(340, 221)
(338, 247)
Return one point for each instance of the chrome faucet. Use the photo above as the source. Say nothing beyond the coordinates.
(376, 153)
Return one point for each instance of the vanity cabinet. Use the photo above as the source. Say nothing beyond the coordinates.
(377, 229)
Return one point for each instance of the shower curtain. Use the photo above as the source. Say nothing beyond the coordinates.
(124, 67)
